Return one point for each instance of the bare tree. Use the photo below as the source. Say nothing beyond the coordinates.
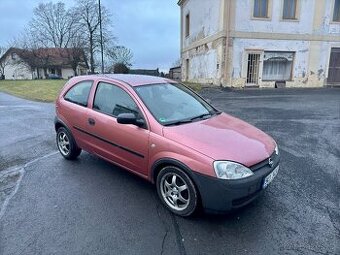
(32, 55)
(4, 61)
(76, 53)
(120, 55)
(53, 25)
(88, 12)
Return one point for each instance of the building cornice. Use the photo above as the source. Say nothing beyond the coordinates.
(208, 39)
(285, 36)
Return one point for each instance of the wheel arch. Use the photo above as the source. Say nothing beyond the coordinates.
(161, 163)
(58, 123)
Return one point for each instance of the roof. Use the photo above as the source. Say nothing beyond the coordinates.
(176, 67)
(132, 79)
(50, 56)
(154, 72)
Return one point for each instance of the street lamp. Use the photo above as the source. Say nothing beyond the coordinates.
(101, 35)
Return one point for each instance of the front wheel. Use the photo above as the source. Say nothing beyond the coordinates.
(66, 144)
(177, 191)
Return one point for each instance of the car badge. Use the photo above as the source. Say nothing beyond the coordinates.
(271, 162)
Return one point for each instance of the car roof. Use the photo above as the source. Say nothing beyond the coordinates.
(132, 79)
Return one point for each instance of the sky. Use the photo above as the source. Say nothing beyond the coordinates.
(150, 28)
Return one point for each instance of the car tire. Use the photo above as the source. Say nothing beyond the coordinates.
(66, 144)
(177, 191)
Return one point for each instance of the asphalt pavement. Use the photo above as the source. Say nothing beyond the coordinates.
(52, 206)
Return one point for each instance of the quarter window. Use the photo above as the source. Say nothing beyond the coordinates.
(260, 9)
(289, 9)
(336, 13)
(79, 93)
(112, 100)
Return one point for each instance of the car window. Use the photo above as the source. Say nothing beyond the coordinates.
(79, 93)
(112, 100)
(171, 103)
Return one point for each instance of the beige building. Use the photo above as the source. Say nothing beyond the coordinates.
(261, 43)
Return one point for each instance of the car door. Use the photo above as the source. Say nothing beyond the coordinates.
(126, 145)
(74, 111)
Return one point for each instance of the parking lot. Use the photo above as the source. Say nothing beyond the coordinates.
(52, 206)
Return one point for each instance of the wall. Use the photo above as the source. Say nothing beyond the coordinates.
(17, 71)
(218, 43)
(204, 19)
(202, 47)
(67, 72)
(310, 37)
(274, 24)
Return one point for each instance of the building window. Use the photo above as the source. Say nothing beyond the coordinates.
(289, 9)
(260, 9)
(187, 25)
(277, 66)
(14, 56)
(336, 12)
(187, 69)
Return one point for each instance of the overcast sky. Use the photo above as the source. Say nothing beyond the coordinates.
(150, 28)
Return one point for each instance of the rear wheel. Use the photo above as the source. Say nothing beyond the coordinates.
(177, 191)
(66, 144)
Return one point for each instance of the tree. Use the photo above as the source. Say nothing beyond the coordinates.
(4, 61)
(88, 13)
(120, 55)
(53, 25)
(76, 53)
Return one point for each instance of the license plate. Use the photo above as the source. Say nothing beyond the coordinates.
(269, 178)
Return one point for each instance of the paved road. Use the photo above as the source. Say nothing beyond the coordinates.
(53, 206)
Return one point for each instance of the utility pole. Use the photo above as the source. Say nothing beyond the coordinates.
(101, 36)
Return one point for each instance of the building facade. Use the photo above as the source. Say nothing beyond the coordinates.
(261, 43)
(44, 63)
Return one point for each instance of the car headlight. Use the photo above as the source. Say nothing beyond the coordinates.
(231, 170)
(276, 149)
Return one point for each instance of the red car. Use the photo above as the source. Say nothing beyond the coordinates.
(166, 133)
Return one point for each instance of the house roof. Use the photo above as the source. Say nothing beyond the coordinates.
(53, 57)
(154, 72)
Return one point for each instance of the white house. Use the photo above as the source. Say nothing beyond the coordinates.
(43, 63)
(261, 43)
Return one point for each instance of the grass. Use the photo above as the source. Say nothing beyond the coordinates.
(47, 90)
(37, 90)
(194, 86)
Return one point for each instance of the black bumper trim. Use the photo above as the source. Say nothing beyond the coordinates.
(221, 196)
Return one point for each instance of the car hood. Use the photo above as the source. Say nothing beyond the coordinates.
(224, 137)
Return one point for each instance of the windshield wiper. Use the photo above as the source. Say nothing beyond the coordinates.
(202, 116)
(178, 122)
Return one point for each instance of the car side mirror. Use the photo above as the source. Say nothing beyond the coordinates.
(129, 118)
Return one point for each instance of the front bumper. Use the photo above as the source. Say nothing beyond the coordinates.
(220, 196)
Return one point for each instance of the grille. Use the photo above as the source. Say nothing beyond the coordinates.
(275, 158)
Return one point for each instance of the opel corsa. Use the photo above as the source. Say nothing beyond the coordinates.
(167, 134)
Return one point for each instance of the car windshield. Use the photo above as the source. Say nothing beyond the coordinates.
(174, 104)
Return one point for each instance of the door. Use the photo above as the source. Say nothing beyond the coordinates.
(253, 68)
(334, 67)
(74, 109)
(126, 145)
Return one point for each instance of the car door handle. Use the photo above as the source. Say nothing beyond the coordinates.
(91, 121)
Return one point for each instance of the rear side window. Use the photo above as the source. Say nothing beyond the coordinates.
(112, 100)
(79, 93)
